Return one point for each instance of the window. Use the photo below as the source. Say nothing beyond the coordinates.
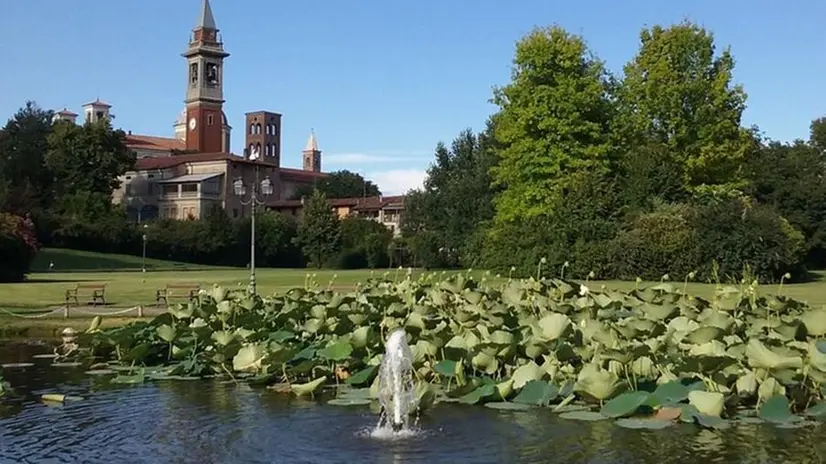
(267, 149)
(252, 127)
(210, 119)
(258, 128)
(267, 129)
(189, 188)
(173, 212)
(170, 189)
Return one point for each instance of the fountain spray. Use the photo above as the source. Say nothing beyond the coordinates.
(396, 390)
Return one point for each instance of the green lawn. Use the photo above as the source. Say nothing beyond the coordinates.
(130, 287)
(76, 261)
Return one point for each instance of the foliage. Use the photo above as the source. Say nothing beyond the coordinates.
(340, 184)
(18, 246)
(25, 182)
(364, 244)
(319, 231)
(456, 197)
(88, 158)
(553, 121)
(677, 93)
(652, 354)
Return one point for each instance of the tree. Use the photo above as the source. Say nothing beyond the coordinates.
(817, 134)
(340, 184)
(319, 231)
(25, 182)
(678, 94)
(456, 197)
(88, 158)
(554, 120)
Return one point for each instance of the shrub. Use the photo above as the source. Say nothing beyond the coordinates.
(18, 246)
(656, 243)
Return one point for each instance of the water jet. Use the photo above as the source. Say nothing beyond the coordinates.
(396, 389)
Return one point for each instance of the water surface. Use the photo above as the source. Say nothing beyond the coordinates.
(211, 422)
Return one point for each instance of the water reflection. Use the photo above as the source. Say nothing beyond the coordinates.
(220, 422)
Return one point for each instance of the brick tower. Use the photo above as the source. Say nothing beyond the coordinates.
(206, 126)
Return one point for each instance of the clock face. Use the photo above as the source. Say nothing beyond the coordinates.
(192, 123)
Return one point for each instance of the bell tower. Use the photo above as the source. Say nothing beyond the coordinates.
(311, 155)
(206, 128)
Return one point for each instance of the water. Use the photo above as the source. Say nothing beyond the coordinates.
(396, 394)
(209, 422)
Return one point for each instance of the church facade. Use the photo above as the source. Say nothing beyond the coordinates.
(184, 176)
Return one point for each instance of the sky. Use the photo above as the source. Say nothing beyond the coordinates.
(380, 82)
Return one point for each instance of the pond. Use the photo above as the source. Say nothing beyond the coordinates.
(202, 421)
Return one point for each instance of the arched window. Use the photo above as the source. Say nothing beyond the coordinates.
(267, 150)
(251, 148)
(258, 128)
(267, 129)
(258, 147)
(252, 128)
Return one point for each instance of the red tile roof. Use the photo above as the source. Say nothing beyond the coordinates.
(300, 174)
(66, 112)
(148, 142)
(165, 162)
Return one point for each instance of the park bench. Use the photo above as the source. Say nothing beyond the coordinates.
(97, 292)
(191, 290)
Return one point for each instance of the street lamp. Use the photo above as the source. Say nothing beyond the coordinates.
(143, 254)
(240, 191)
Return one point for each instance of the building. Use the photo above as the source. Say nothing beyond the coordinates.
(385, 210)
(183, 176)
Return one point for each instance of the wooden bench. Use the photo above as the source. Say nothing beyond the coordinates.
(191, 290)
(97, 292)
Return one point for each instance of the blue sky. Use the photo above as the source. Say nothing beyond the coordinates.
(381, 82)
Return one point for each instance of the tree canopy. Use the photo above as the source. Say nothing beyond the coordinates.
(340, 184)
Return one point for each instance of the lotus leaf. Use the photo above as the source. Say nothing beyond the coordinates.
(589, 416)
(815, 322)
(504, 389)
(338, 351)
(817, 354)
(525, 373)
(129, 379)
(658, 312)
(447, 367)
(425, 395)
(769, 388)
(349, 402)
(818, 410)
(249, 358)
(599, 384)
(746, 384)
(302, 389)
(166, 333)
(479, 394)
(625, 405)
(537, 392)
(485, 363)
(761, 357)
(776, 410)
(643, 367)
(553, 326)
(708, 403)
(180, 311)
(507, 406)
(223, 337)
(671, 392)
(313, 326)
(704, 335)
(648, 423)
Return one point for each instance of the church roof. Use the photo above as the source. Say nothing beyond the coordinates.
(166, 162)
(312, 143)
(205, 19)
(148, 142)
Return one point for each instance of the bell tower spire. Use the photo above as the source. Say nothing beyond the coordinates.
(311, 155)
(206, 130)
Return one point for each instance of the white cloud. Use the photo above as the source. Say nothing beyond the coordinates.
(398, 181)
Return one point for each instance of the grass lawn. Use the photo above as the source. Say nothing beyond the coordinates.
(127, 286)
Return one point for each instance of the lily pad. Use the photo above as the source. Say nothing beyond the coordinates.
(349, 402)
(129, 379)
(776, 410)
(66, 364)
(363, 376)
(625, 404)
(45, 356)
(506, 405)
(446, 367)
(643, 423)
(817, 411)
(589, 416)
(100, 372)
(16, 365)
(537, 392)
(671, 392)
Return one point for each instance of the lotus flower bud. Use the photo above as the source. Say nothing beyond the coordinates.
(543, 260)
(591, 275)
(583, 290)
(565, 264)
(666, 277)
(787, 276)
(692, 275)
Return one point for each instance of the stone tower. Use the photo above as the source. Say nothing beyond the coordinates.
(96, 111)
(206, 125)
(312, 155)
(263, 130)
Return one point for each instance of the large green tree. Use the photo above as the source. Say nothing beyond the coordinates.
(88, 157)
(25, 182)
(553, 121)
(455, 200)
(340, 184)
(319, 230)
(677, 99)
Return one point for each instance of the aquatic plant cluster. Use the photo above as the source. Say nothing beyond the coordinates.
(646, 358)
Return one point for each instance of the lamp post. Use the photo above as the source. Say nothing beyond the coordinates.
(143, 253)
(240, 191)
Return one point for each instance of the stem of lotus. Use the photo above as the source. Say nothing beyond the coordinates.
(224, 366)
(286, 378)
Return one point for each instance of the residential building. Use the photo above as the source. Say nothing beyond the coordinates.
(385, 210)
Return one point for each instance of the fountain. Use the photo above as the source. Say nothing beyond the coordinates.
(396, 390)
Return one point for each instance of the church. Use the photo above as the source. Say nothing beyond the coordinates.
(184, 176)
